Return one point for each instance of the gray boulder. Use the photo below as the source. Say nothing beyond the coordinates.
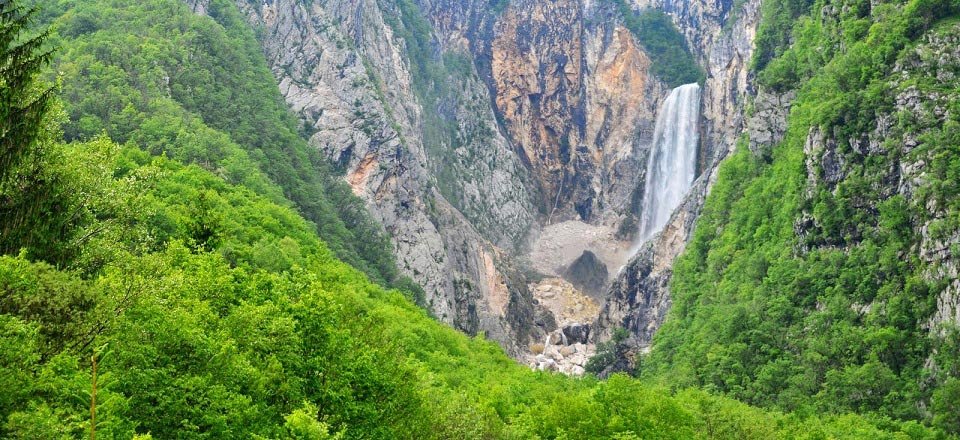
(588, 273)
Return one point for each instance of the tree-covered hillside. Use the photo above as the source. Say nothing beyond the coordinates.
(813, 277)
(198, 90)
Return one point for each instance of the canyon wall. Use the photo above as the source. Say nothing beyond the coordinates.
(469, 126)
(346, 74)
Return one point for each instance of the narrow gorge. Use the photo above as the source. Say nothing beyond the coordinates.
(670, 171)
(515, 155)
(538, 166)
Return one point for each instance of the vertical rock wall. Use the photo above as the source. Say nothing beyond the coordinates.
(347, 75)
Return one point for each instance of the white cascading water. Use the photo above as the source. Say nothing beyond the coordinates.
(673, 159)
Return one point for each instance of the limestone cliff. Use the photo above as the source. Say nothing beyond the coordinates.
(348, 76)
(575, 93)
(469, 126)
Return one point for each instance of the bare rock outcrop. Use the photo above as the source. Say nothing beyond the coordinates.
(588, 273)
(347, 76)
(639, 297)
(575, 94)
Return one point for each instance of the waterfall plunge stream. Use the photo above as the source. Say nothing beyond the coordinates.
(673, 159)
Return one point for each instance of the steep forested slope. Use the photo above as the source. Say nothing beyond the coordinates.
(199, 91)
(822, 272)
(671, 60)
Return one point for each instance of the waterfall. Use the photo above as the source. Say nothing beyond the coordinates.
(673, 158)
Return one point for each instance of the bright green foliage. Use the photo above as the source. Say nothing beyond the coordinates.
(835, 319)
(670, 58)
(608, 353)
(198, 90)
(946, 405)
(201, 350)
(773, 32)
(303, 425)
(198, 334)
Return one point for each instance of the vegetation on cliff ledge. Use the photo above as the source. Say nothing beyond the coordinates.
(670, 57)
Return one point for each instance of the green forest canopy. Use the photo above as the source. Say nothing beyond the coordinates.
(199, 90)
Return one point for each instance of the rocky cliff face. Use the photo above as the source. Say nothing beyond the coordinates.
(346, 73)
(576, 97)
(639, 297)
(929, 103)
(467, 126)
(902, 164)
(573, 93)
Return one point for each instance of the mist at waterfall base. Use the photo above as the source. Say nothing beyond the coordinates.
(672, 164)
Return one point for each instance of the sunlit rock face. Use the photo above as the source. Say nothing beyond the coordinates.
(575, 94)
(534, 113)
(346, 72)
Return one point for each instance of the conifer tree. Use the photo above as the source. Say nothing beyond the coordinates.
(24, 103)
